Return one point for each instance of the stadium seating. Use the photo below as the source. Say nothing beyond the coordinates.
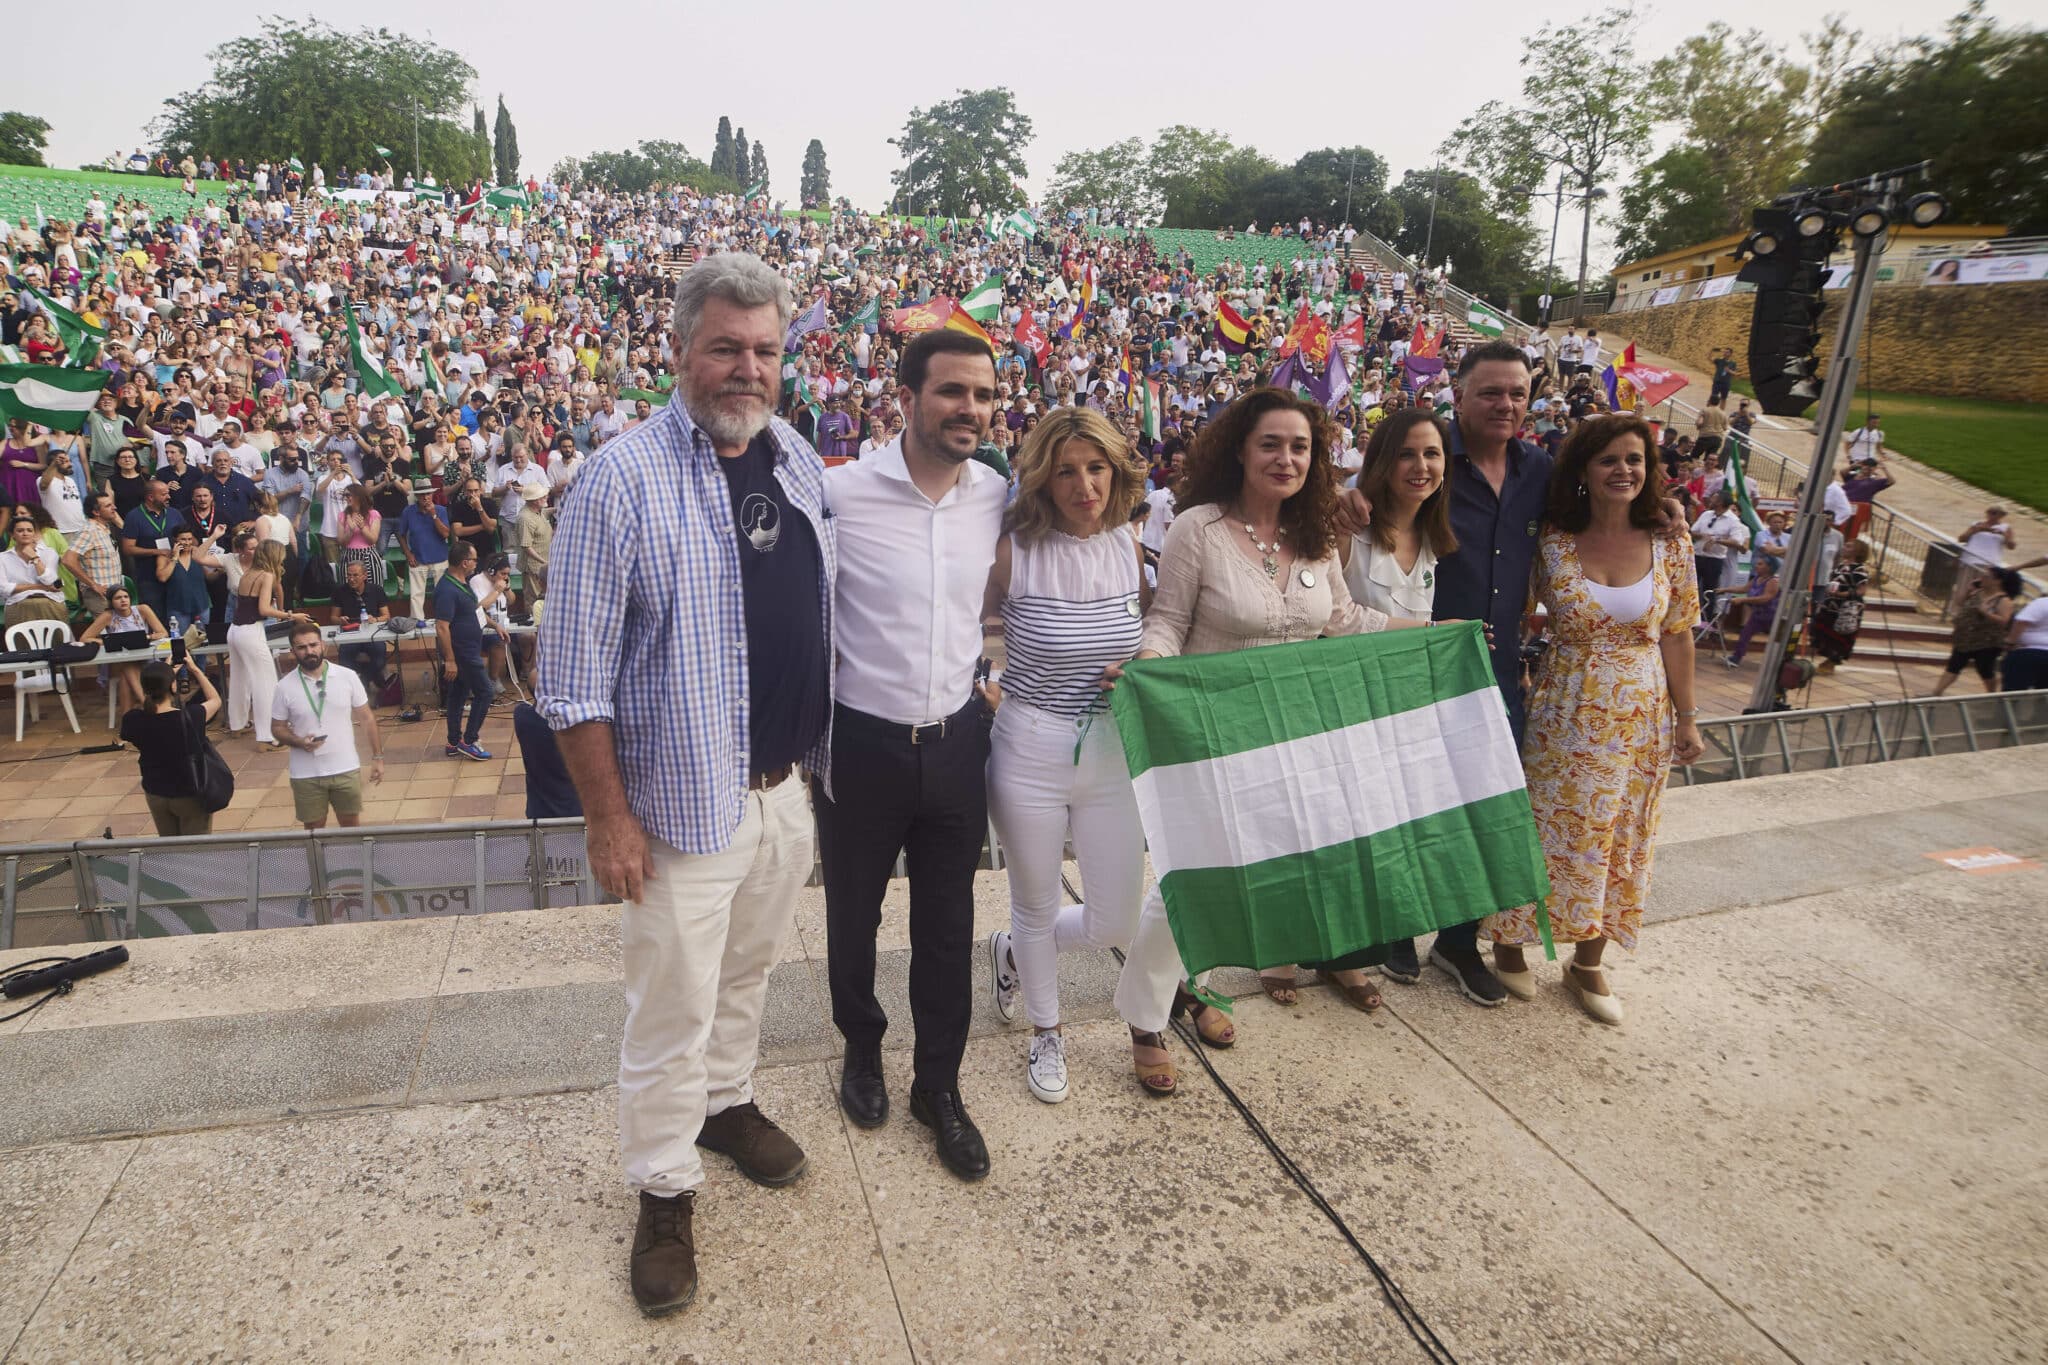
(63, 194)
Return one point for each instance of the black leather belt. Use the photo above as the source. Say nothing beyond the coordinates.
(930, 733)
(761, 782)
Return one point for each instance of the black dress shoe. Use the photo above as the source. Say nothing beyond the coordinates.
(862, 1092)
(960, 1144)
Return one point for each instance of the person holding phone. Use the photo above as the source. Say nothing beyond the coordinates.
(314, 713)
(165, 731)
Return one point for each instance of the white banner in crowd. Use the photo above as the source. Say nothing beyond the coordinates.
(1668, 294)
(1987, 269)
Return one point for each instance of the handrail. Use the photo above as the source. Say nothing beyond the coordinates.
(127, 888)
(1383, 250)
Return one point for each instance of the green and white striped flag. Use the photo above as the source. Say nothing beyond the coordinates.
(1306, 801)
(870, 313)
(49, 395)
(370, 375)
(296, 164)
(758, 187)
(1484, 320)
(654, 398)
(381, 151)
(1022, 223)
(985, 300)
(81, 339)
(1737, 484)
(513, 197)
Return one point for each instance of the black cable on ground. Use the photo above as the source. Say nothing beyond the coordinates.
(23, 969)
(1410, 1316)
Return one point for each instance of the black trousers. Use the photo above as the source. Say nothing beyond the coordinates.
(928, 801)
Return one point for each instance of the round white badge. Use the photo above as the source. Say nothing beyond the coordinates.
(1308, 580)
(1131, 607)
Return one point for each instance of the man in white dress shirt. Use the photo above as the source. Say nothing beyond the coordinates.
(917, 525)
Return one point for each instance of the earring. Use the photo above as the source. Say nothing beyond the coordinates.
(1582, 490)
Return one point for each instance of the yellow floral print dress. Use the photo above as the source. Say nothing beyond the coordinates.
(1597, 747)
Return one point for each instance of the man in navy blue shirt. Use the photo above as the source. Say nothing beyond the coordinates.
(460, 636)
(146, 536)
(234, 496)
(423, 532)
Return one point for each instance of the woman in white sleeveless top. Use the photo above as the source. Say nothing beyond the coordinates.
(1069, 584)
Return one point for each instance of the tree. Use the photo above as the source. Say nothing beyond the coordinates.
(721, 148)
(1680, 199)
(568, 171)
(1448, 214)
(1745, 118)
(480, 144)
(1201, 175)
(964, 152)
(1968, 100)
(300, 88)
(1583, 111)
(742, 156)
(22, 138)
(1331, 180)
(816, 188)
(506, 139)
(653, 163)
(757, 173)
(1115, 179)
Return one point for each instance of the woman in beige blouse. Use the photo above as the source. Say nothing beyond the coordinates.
(1251, 560)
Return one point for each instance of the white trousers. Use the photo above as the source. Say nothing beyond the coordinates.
(420, 580)
(1152, 968)
(698, 946)
(252, 679)
(1037, 791)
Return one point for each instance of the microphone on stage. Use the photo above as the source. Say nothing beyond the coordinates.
(50, 978)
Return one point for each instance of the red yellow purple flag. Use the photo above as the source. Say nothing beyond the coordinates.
(960, 322)
(1233, 333)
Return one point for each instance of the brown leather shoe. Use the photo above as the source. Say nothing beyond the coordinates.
(764, 1153)
(664, 1269)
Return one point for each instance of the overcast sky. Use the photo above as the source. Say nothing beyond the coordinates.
(583, 77)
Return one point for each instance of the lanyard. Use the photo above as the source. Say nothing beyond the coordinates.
(319, 703)
(156, 523)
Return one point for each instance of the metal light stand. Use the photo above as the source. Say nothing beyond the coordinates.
(1812, 526)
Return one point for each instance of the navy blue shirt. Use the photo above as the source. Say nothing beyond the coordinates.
(455, 604)
(146, 528)
(234, 497)
(421, 532)
(788, 694)
(1487, 577)
(181, 485)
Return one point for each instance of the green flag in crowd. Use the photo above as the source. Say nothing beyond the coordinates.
(370, 374)
(81, 339)
(50, 395)
(985, 301)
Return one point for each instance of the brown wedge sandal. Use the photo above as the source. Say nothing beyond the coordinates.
(1365, 998)
(1280, 989)
(1212, 1024)
(1154, 1064)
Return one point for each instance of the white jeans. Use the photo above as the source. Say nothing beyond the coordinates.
(698, 948)
(420, 579)
(1036, 791)
(252, 679)
(1152, 968)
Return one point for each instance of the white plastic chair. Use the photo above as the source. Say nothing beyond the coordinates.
(27, 684)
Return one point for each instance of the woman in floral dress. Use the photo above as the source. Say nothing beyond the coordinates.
(1612, 703)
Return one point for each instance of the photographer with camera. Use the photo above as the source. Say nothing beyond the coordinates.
(166, 732)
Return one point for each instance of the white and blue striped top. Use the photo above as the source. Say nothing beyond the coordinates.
(1071, 610)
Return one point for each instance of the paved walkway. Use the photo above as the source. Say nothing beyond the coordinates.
(1816, 1139)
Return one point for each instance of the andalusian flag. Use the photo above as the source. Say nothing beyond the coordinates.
(870, 313)
(53, 396)
(370, 376)
(1306, 801)
(81, 339)
(1738, 487)
(1148, 410)
(984, 302)
(381, 151)
(296, 164)
(436, 381)
(509, 198)
(654, 398)
(1484, 320)
(758, 187)
(1022, 223)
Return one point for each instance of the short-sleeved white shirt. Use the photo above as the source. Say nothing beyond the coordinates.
(301, 703)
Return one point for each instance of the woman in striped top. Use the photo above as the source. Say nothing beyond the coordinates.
(1069, 584)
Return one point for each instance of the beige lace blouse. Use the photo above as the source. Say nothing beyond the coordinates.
(1212, 597)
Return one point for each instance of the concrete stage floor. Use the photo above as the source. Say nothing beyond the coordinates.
(1815, 1139)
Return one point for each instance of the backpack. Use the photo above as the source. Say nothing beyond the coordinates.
(316, 579)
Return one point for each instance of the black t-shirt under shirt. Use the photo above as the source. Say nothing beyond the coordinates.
(779, 571)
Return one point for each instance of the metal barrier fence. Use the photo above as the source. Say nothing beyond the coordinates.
(103, 889)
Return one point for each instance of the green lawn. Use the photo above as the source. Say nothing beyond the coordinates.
(1996, 446)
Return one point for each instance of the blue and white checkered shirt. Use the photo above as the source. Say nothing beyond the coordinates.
(645, 625)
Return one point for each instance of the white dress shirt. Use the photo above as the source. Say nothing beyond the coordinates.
(911, 577)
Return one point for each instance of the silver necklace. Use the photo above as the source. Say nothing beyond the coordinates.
(1269, 563)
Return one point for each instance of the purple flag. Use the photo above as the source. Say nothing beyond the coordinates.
(1420, 367)
(812, 321)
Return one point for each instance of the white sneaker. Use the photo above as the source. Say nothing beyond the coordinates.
(1046, 1067)
(1003, 980)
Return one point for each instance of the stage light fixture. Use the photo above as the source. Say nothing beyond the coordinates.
(1763, 243)
(1925, 210)
(1811, 223)
(1869, 222)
